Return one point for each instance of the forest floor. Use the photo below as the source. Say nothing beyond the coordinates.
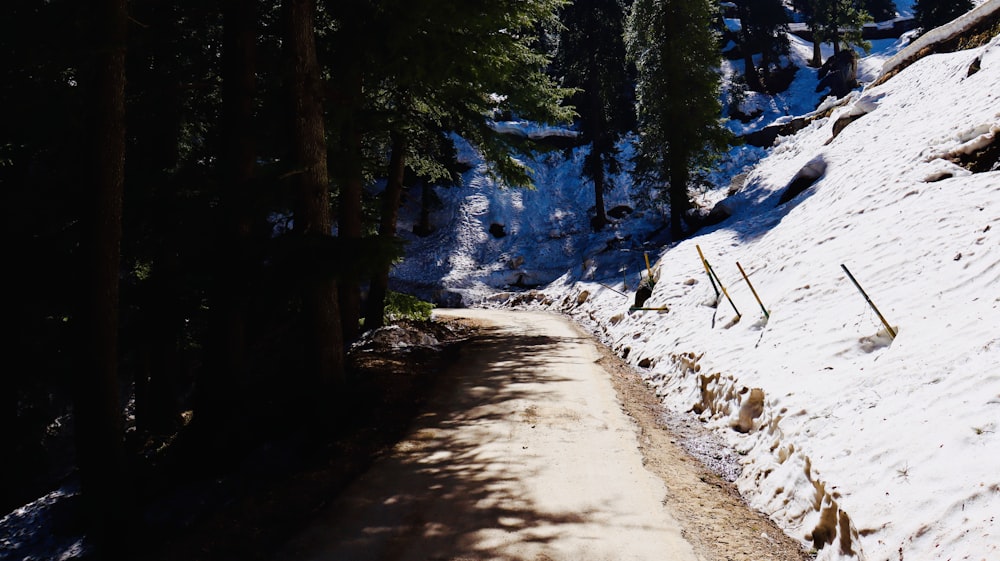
(287, 484)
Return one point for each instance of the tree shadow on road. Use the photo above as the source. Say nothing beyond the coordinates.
(438, 494)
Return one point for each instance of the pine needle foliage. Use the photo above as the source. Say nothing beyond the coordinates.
(675, 48)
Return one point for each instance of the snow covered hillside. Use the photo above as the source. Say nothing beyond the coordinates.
(867, 446)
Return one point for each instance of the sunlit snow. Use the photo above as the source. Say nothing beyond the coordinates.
(870, 446)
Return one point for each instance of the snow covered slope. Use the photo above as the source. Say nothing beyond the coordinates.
(866, 446)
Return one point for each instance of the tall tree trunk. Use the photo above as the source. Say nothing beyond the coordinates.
(387, 230)
(323, 338)
(98, 414)
(750, 71)
(600, 146)
(423, 227)
(835, 19)
(817, 58)
(228, 360)
(349, 220)
(680, 203)
(594, 162)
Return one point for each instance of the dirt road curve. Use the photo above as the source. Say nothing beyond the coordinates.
(536, 450)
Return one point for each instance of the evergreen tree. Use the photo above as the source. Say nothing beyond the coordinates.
(323, 346)
(812, 13)
(843, 24)
(493, 67)
(98, 414)
(839, 22)
(676, 53)
(591, 57)
(764, 28)
(935, 13)
(427, 67)
(355, 51)
(881, 10)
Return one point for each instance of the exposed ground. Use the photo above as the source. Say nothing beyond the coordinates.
(714, 518)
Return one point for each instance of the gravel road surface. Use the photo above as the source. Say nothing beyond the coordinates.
(539, 447)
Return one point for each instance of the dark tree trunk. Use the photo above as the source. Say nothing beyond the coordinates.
(323, 339)
(423, 227)
(835, 18)
(600, 146)
(98, 413)
(601, 219)
(817, 58)
(752, 76)
(680, 203)
(349, 220)
(228, 344)
(387, 230)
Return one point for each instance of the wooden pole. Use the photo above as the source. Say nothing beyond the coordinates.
(888, 327)
(614, 289)
(746, 278)
(707, 271)
(717, 279)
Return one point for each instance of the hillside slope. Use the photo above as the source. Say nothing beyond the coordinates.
(866, 446)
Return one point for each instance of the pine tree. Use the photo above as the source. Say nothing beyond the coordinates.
(935, 13)
(591, 57)
(426, 67)
(881, 10)
(98, 417)
(844, 23)
(676, 53)
(764, 30)
(839, 22)
(356, 30)
(313, 224)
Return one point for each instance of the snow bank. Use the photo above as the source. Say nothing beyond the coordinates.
(945, 32)
(867, 446)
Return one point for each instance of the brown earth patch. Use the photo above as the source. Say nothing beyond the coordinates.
(714, 518)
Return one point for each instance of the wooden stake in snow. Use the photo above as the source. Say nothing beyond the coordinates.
(888, 327)
(614, 289)
(746, 278)
(711, 274)
(707, 271)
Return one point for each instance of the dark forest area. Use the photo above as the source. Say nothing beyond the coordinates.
(202, 203)
(191, 244)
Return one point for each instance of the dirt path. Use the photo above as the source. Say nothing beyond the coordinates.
(540, 448)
